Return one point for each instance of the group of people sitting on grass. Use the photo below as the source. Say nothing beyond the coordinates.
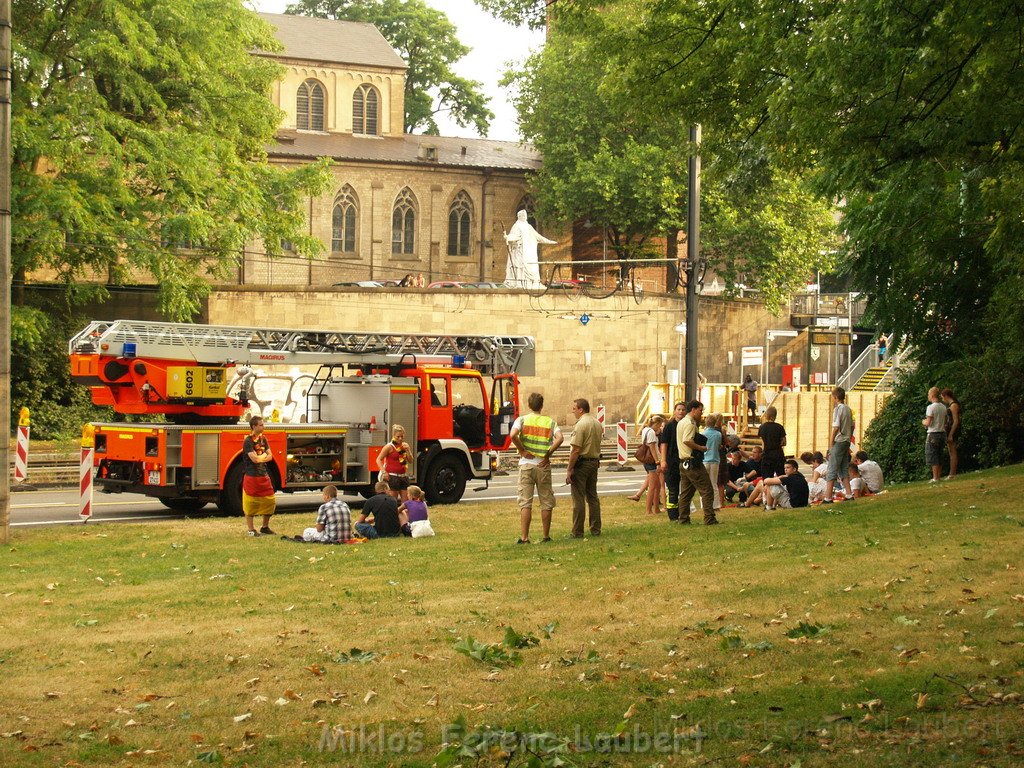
(764, 476)
(746, 484)
(384, 515)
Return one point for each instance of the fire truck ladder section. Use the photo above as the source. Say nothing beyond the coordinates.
(231, 345)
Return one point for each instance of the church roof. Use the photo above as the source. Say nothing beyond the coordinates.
(408, 149)
(331, 41)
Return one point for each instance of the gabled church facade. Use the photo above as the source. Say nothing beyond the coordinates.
(399, 203)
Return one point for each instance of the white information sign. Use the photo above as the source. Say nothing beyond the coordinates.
(753, 356)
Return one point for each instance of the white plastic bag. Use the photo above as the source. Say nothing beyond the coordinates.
(421, 528)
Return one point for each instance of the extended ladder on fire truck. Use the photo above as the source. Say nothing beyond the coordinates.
(231, 345)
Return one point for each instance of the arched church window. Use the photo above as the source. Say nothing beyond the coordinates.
(403, 224)
(343, 221)
(309, 106)
(460, 217)
(366, 110)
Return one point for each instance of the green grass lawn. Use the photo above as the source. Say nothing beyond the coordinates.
(881, 632)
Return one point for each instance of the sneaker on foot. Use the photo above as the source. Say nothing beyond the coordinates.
(252, 533)
(266, 530)
(545, 539)
(522, 541)
(933, 480)
(712, 522)
(826, 501)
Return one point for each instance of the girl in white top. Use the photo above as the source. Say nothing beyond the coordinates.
(652, 481)
(818, 472)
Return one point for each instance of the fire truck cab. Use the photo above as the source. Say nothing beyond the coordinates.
(454, 418)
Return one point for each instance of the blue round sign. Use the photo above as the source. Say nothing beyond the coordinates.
(584, 318)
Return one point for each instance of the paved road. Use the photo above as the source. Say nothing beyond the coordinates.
(60, 507)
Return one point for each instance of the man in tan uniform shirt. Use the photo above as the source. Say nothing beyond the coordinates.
(584, 461)
(693, 477)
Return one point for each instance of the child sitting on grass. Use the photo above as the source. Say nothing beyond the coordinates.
(415, 507)
(416, 514)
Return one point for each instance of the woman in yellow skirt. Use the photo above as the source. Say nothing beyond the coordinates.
(257, 488)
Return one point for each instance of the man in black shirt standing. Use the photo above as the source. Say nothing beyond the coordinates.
(670, 459)
(773, 438)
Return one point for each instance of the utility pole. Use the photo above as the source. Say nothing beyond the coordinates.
(5, 270)
(692, 264)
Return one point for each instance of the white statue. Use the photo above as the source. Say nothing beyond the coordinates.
(522, 270)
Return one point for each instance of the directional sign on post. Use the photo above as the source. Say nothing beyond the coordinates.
(751, 356)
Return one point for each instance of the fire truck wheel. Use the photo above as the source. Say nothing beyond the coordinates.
(445, 479)
(183, 505)
(230, 502)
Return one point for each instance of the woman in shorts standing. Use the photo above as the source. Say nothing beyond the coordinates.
(393, 463)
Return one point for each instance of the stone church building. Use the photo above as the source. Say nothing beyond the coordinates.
(399, 203)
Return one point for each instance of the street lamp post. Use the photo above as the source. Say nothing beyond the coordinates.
(693, 267)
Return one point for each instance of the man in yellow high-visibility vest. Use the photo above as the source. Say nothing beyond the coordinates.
(536, 436)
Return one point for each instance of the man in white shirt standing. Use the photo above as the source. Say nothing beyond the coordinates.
(935, 422)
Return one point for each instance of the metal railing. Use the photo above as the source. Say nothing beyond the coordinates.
(865, 361)
(897, 362)
(849, 305)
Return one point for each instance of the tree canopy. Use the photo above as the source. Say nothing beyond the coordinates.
(610, 159)
(909, 115)
(140, 126)
(429, 43)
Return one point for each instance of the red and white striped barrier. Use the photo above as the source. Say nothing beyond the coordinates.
(85, 473)
(600, 416)
(21, 454)
(620, 439)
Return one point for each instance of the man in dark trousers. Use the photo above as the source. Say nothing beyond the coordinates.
(693, 477)
(670, 459)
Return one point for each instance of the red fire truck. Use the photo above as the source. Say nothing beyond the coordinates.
(198, 377)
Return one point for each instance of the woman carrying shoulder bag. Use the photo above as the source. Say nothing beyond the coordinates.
(652, 466)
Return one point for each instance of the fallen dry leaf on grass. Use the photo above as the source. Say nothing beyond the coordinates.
(243, 717)
(315, 669)
(629, 712)
(370, 696)
(432, 701)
